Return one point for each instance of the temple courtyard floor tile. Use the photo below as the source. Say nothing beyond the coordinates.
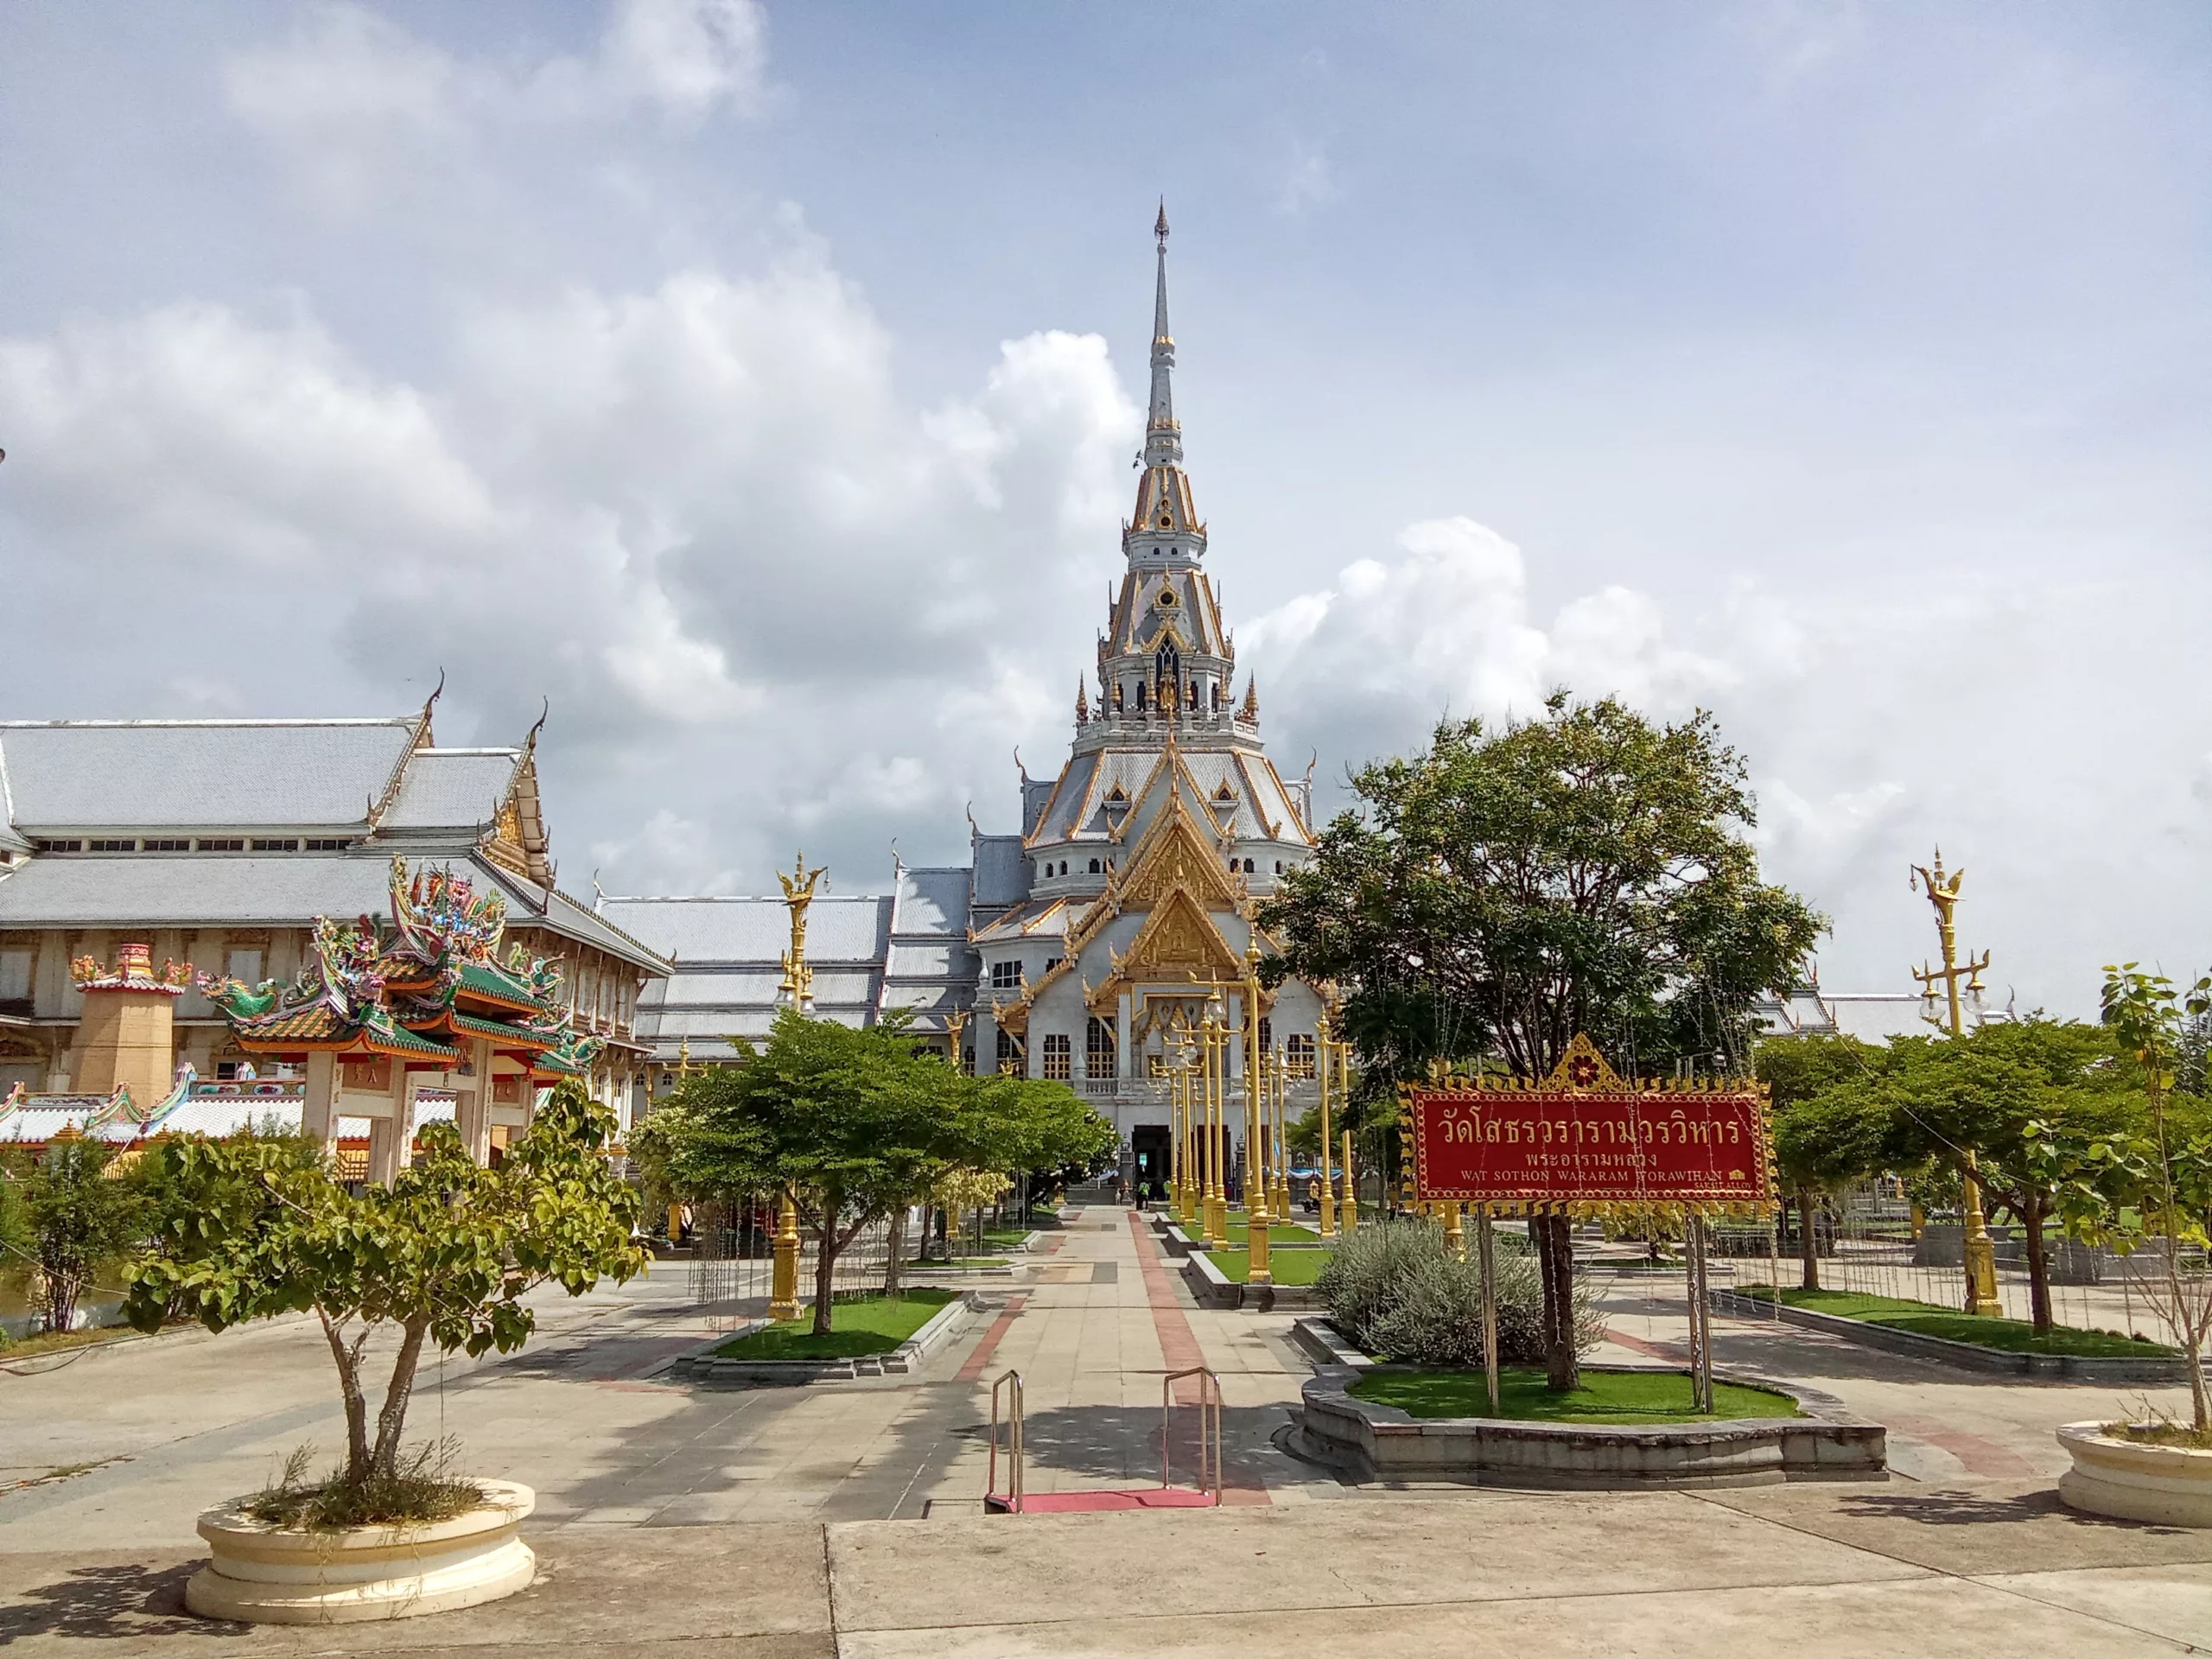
(847, 1519)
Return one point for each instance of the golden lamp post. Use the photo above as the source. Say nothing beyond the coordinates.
(1214, 1035)
(1321, 1056)
(797, 990)
(1258, 1271)
(1278, 1140)
(1184, 1091)
(1352, 1190)
(1978, 1251)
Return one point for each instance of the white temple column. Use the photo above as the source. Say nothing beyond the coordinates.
(473, 1101)
(319, 1107)
(1126, 1012)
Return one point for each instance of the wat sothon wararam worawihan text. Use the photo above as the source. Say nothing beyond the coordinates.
(1079, 948)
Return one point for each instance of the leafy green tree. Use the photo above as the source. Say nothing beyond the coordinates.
(444, 1256)
(1828, 1130)
(1585, 871)
(72, 1209)
(854, 1122)
(2154, 1184)
(2012, 1093)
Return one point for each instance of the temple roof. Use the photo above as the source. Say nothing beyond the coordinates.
(202, 889)
(450, 788)
(90, 774)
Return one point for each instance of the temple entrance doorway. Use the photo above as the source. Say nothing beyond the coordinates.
(1149, 1149)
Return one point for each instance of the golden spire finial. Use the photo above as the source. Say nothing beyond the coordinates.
(797, 985)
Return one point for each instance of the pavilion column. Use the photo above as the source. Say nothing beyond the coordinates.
(319, 1107)
(1125, 1011)
(388, 1134)
(472, 1102)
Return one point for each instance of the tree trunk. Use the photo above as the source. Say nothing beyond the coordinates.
(1808, 1243)
(2031, 1214)
(347, 1358)
(893, 1258)
(1555, 1256)
(825, 1260)
(392, 1419)
(62, 1286)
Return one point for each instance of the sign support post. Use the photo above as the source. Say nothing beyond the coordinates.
(1486, 1257)
(1700, 1317)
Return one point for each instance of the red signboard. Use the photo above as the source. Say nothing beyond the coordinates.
(1568, 1145)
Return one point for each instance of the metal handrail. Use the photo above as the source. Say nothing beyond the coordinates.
(1010, 1382)
(1209, 1400)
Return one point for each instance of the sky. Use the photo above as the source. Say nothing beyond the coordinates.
(757, 386)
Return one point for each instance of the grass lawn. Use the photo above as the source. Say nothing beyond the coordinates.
(1603, 1397)
(874, 1325)
(54, 1342)
(1981, 1330)
(1278, 1230)
(1291, 1267)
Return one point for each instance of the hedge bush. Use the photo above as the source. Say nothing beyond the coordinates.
(1399, 1292)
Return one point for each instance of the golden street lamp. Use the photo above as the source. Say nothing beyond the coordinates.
(1328, 1202)
(1217, 1195)
(1978, 1251)
(1258, 1272)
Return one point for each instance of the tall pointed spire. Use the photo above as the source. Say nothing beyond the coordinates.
(1163, 438)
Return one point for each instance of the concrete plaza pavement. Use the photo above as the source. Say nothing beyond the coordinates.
(788, 1521)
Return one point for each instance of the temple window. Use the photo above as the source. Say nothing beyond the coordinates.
(1006, 975)
(1100, 1057)
(275, 844)
(1060, 1056)
(1298, 1055)
(1140, 705)
(1247, 866)
(1008, 1049)
(1267, 1034)
(1094, 866)
(1232, 864)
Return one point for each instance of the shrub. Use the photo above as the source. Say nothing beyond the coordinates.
(1399, 1292)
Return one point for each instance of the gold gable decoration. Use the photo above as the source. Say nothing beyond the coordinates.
(1177, 857)
(1179, 941)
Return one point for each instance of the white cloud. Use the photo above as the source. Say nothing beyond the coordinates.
(1306, 181)
(1874, 728)
(355, 109)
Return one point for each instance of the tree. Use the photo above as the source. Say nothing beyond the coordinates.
(2154, 1184)
(74, 1209)
(2020, 1095)
(444, 1256)
(854, 1122)
(1828, 1131)
(1585, 871)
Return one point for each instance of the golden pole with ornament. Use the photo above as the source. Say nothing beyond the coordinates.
(796, 989)
(1327, 1199)
(1978, 1251)
(1217, 1200)
(1257, 1272)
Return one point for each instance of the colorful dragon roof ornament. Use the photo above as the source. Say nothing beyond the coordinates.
(416, 985)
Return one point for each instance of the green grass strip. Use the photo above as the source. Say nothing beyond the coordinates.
(1622, 1397)
(1976, 1329)
(1290, 1267)
(874, 1324)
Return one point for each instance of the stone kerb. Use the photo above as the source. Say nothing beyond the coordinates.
(266, 1574)
(2153, 1370)
(1214, 1288)
(707, 1366)
(1380, 1443)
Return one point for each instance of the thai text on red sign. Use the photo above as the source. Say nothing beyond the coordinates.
(1498, 1146)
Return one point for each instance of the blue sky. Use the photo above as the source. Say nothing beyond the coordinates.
(757, 385)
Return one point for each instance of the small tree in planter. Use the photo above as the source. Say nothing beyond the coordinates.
(260, 1225)
(2154, 1187)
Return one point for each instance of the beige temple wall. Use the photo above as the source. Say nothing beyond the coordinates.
(126, 1038)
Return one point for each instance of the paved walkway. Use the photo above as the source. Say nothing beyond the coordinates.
(783, 1521)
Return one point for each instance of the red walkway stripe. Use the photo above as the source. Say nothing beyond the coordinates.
(989, 1345)
(1180, 1348)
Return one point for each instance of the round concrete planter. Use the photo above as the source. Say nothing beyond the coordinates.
(272, 1575)
(2169, 1484)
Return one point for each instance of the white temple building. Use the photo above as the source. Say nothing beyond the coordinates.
(1078, 948)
